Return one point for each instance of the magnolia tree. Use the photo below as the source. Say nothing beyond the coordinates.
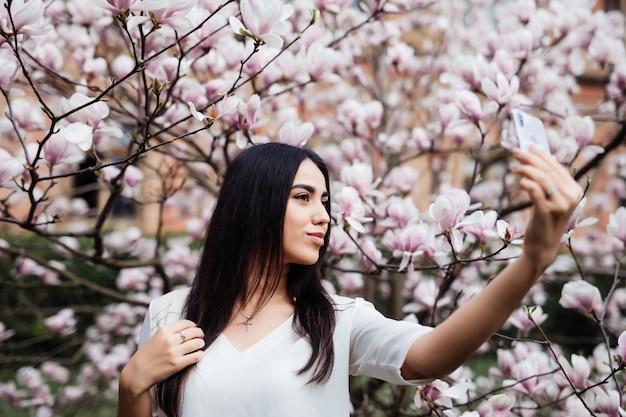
(408, 101)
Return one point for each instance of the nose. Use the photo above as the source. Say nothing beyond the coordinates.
(321, 216)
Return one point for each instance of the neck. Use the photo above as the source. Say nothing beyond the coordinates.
(260, 295)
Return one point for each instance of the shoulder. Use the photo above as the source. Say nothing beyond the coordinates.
(168, 307)
(348, 306)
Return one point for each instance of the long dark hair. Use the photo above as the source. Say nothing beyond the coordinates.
(243, 252)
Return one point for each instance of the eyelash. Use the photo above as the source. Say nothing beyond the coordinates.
(303, 197)
(306, 197)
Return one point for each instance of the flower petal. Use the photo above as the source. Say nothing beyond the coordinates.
(80, 134)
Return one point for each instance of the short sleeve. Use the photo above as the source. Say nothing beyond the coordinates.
(379, 345)
(144, 332)
(162, 311)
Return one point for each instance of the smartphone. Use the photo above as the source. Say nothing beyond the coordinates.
(530, 130)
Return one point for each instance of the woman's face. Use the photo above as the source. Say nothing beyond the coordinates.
(306, 218)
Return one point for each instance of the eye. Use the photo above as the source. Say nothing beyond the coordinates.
(304, 197)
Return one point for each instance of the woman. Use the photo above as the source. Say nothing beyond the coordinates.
(257, 335)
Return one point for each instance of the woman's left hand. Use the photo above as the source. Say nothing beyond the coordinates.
(555, 194)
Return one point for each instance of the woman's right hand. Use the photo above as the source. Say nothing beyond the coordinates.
(172, 348)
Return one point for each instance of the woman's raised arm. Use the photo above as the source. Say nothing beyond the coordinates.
(554, 194)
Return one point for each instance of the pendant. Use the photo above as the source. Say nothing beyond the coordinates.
(247, 323)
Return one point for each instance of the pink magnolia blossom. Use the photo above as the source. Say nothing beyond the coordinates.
(576, 221)
(60, 154)
(360, 177)
(11, 394)
(360, 117)
(334, 6)
(521, 318)
(350, 282)
(399, 212)
(176, 15)
(603, 50)
(123, 240)
(581, 129)
(133, 176)
(263, 20)
(55, 372)
(84, 14)
(295, 134)
(8, 69)
(225, 107)
(321, 61)
(582, 296)
(82, 124)
(577, 373)
(425, 296)
(469, 103)
(485, 229)
(621, 346)
(110, 173)
(409, 243)
(79, 134)
(440, 392)
(169, 69)
(420, 140)
(350, 210)
(118, 6)
(72, 394)
(91, 112)
(29, 377)
(525, 379)
(121, 66)
(447, 113)
(340, 243)
(4, 333)
(180, 260)
(291, 67)
(27, 116)
(249, 114)
(502, 90)
(27, 18)
(519, 43)
(608, 403)
(95, 67)
(63, 323)
(401, 180)
(501, 404)
(371, 255)
(617, 224)
(449, 210)
(132, 279)
(10, 169)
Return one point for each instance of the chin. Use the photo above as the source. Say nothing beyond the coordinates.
(305, 262)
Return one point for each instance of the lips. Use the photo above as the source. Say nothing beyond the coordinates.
(318, 238)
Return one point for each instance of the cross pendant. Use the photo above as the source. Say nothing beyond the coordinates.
(247, 323)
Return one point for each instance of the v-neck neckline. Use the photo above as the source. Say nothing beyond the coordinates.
(262, 341)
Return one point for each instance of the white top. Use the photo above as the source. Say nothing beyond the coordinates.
(262, 381)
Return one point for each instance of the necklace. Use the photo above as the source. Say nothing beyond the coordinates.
(248, 321)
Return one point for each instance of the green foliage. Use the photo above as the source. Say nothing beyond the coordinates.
(25, 301)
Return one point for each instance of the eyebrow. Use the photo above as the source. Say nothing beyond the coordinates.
(308, 188)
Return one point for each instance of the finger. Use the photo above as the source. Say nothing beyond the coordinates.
(540, 182)
(537, 193)
(190, 334)
(539, 160)
(179, 325)
(191, 346)
(191, 358)
(549, 173)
